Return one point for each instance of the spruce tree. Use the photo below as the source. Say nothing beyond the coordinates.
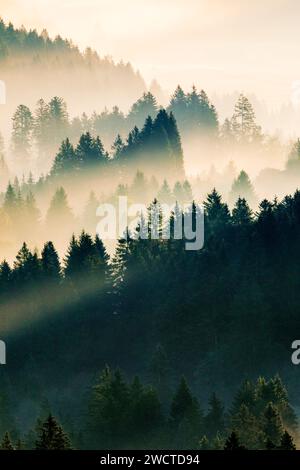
(204, 443)
(242, 188)
(50, 263)
(59, 213)
(52, 436)
(108, 410)
(215, 419)
(66, 160)
(21, 135)
(272, 425)
(242, 215)
(145, 106)
(165, 195)
(243, 122)
(186, 418)
(178, 106)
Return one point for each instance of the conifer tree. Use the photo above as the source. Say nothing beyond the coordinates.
(204, 443)
(187, 192)
(145, 106)
(165, 195)
(217, 212)
(89, 219)
(242, 215)
(108, 409)
(90, 152)
(59, 213)
(243, 122)
(10, 200)
(215, 419)
(52, 436)
(272, 425)
(117, 147)
(66, 160)
(186, 418)
(293, 162)
(160, 370)
(286, 442)
(242, 188)
(32, 215)
(178, 106)
(41, 131)
(58, 124)
(6, 443)
(145, 416)
(21, 135)
(50, 263)
(246, 395)
(232, 442)
(178, 192)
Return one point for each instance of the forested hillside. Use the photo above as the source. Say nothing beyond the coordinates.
(132, 340)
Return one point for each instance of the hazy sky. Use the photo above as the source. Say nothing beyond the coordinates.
(220, 45)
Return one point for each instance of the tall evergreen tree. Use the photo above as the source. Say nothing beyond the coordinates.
(52, 436)
(272, 424)
(66, 159)
(232, 442)
(286, 442)
(50, 263)
(243, 122)
(215, 418)
(242, 188)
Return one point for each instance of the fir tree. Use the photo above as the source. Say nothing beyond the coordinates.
(215, 419)
(204, 443)
(59, 212)
(66, 159)
(21, 134)
(243, 122)
(242, 215)
(165, 195)
(179, 105)
(232, 442)
(185, 416)
(242, 188)
(286, 442)
(50, 263)
(272, 425)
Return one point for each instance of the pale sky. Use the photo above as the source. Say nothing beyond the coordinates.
(220, 45)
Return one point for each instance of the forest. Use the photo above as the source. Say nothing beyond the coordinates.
(138, 343)
(234, 298)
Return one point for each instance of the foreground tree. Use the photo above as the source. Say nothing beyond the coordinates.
(6, 443)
